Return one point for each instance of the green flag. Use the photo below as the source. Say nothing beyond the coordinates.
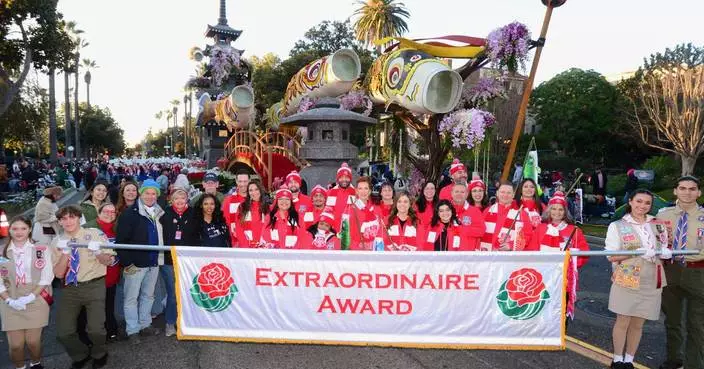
(530, 166)
(344, 234)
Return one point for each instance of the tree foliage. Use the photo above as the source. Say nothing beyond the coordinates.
(574, 106)
(100, 131)
(380, 18)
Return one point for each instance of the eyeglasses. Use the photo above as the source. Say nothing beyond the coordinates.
(109, 211)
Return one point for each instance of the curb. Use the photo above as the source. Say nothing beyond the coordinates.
(593, 352)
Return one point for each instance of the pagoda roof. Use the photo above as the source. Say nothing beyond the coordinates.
(222, 29)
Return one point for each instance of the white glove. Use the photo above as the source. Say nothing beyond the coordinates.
(649, 253)
(665, 253)
(25, 300)
(16, 304)
(62, 245)
(95, 247)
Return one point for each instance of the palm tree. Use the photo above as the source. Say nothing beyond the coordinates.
(379, 19)
(53, 145)
(73, 32)
(88, 64)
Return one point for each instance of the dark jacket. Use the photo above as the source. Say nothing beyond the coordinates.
(135, 227)
(214, 234)
(595, 183)
(172, 223)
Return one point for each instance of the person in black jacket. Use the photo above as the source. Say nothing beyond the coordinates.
(210, 223)
(139, 225)
(179, 229)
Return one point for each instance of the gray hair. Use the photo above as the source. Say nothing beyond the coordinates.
(568, 215)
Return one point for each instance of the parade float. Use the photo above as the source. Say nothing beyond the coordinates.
(411, 82)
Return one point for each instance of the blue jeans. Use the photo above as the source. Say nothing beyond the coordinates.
(139, 297)
(167, 274)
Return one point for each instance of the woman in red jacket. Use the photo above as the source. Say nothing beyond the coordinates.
(251, 215)
(527, 197)
(477, 194)
(403, 230)
(363, 215)
(558, 233)
(283, 230)
(427, 200)
(444, 232)
(386, 203)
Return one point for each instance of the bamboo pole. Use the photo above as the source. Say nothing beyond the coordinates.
(527, 87)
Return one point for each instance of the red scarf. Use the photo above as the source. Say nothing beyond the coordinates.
(106, 228)
(180, 213)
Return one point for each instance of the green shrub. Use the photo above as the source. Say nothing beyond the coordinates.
(667, 169)
(615, 185)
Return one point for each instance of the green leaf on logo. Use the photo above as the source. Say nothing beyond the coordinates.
(511, 309)
(211, 305)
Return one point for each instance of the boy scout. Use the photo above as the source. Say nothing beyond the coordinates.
(83, 273)
(685, 278)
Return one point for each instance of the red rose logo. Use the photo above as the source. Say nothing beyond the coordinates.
(215, 280)
(524, 286)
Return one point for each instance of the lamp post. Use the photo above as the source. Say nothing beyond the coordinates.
(528, 86)
(175, 128)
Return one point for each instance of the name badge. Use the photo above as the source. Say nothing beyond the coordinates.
(290, 241)
(393, 231)
(456, 242)
(274, 235)
(234, 207)
(308, 217)
(431, 236)
(466, 220)
(248, 217)
(331, 201)
(248, 235)
(410, 231)
(178, 235)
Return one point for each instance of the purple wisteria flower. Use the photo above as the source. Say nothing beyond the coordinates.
(222, 60)
(508, 46)
(466, 127)
(486, 89)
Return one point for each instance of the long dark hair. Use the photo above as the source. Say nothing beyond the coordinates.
(217, 213)
(264, 202)
(627, 209)
(436, 213)
(18, 218)
(394, 210)
(483, 204)
(121, 203)
(422, 202)
(385, 184)
(519, 195)
(89, 195)
(292, 216)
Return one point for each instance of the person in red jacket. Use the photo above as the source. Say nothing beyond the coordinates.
(527, 197)
(427, 200)
(477, 194)
(365, 224)
(469, 217)
(301, 202)
(283, 230)
(458, 173)
(317, 195)
(507, 227)
(251, 216)
(232, 202)
(321, 236)
(386, 203)
(403, 231)
(444, 232)
(557, 229)
(342, 195)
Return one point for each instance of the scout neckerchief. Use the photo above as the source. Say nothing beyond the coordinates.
(20, 272)
(680, 240)
(73, 266)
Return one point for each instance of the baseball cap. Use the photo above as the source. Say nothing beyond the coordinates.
(210, 177)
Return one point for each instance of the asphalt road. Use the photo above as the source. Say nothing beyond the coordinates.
(592, 324)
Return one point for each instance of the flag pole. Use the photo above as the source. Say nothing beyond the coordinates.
(528, 87)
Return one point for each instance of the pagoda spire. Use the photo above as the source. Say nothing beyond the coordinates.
(223, 14)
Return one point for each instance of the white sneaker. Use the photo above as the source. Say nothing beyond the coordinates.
(170, 330)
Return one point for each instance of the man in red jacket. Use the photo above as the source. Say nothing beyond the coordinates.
(301, 202)
(312, 215)
(232, 202)
(470, 217)
(458, 172)
(342, 195)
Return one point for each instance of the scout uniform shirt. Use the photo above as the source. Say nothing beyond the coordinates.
(89, 266)
(695, 229)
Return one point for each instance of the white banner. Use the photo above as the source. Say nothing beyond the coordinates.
(488, 300)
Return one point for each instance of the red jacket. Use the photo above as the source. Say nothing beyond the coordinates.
(384, 211)
(542, 241)
(446, 192)
(365, 225)
(283, 236)
(230, 205)
(311, 216)
(302, 203)
(457, 239)
(249, 226)
(472, 219)
(426, 216)
(534, 214)
(338, 198)
(499, 221)
(321, 241)
(404, 238)
(112, 276)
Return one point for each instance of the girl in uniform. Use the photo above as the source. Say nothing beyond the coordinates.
(444, 232)
(283, 229)
(26, 273)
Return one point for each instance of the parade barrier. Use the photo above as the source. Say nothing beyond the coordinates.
(457, 300)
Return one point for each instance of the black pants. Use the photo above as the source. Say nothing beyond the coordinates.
(110, 320)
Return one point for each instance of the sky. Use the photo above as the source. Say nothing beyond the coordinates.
(141, 47)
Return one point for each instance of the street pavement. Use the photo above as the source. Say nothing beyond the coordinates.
(592, 324)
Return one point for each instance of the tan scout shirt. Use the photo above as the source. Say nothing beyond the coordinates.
(89, 267)
(695, 228)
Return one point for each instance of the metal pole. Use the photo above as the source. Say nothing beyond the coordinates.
(527, 87)
(573, 253)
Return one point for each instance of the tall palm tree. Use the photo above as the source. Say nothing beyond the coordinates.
(74, 33)
(378, 19)
(53, 145)
(88, 64)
